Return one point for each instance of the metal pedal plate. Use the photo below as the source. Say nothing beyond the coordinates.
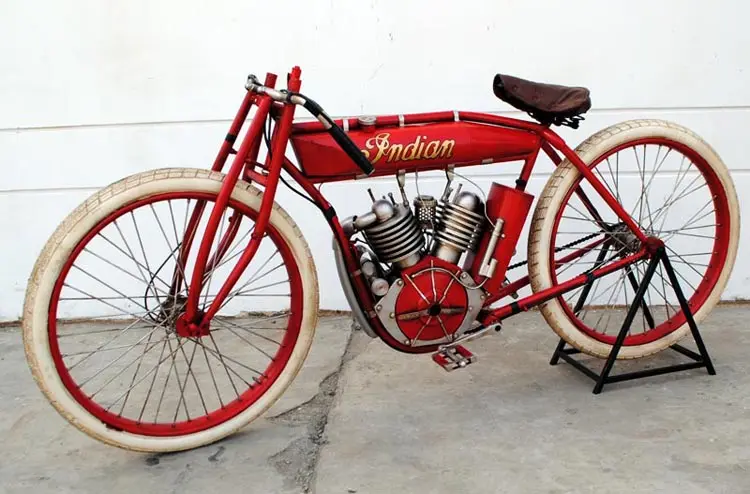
(453, 358)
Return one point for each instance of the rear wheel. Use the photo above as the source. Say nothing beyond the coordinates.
(677, 189)
(100, 314)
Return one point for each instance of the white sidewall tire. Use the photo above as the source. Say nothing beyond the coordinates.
(552, 197)
(69, 234)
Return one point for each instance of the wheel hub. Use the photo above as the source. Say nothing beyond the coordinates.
(171, 308)
(625, 239)
(188, 329)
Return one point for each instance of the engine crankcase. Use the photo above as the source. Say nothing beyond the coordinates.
(430, 303)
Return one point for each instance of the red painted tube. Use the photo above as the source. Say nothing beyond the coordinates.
(598, 186)
(277, 162)
(234, 129)
(513, 123)
(535, 299)
(196, 282)
(524, 281)
(380, 121)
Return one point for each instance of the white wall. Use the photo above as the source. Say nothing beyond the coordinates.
(91, 91)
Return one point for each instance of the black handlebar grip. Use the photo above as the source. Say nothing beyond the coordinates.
(351, 149)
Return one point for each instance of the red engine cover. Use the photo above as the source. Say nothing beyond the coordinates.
(432, 304)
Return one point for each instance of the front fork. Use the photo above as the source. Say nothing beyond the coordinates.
(195, 320)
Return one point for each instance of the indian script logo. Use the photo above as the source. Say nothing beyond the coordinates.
(380, 148)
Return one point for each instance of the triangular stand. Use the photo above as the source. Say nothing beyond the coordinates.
(700, 360)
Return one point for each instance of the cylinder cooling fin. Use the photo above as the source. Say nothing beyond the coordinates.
(459, 227)
(398, 239)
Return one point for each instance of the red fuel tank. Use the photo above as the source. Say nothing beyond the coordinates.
(412, 147)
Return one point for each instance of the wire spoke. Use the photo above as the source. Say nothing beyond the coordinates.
(120, 372)
(221, 360)
(228, 368)
(189, 373)
(135, 374)
(213, 378)
(120, 268)
(683, 261)
(181, 400)
(153, 380)
(110, 287)
(663, 211)
(247, 341)
(230, 359)
(226, 324)
(131, 256)
(173, 251)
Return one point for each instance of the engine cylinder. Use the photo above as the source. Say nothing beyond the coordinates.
(459, 226)
(398, 239)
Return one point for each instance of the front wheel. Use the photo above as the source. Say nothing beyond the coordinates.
(675, 186)
(102, 302)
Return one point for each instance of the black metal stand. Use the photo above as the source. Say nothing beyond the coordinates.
(701, 359)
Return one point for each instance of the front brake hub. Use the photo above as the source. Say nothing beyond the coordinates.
(189, 329)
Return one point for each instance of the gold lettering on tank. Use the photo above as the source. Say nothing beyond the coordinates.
(380, 148)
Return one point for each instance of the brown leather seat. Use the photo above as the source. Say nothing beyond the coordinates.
(548, 103)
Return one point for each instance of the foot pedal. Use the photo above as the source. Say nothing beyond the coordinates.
(452, 358)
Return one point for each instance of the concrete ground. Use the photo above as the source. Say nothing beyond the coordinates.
(363, 418)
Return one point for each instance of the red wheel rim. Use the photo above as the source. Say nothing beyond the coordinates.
(228, 410)
(714, 266)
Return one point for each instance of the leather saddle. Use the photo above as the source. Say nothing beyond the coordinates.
(550, 104)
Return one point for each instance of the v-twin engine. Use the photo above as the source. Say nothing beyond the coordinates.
(398, 236)
(409, 256)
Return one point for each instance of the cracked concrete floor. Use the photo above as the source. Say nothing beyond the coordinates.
(395, 423)
(41, 452)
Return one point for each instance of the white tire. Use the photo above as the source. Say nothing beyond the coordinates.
(70, 233)
(553, 198)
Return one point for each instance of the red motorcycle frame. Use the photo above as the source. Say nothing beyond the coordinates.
(334, 150)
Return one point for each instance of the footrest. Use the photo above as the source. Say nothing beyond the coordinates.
(454, 358)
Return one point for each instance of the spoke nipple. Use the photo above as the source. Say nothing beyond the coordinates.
(399, 282)
(407, 341)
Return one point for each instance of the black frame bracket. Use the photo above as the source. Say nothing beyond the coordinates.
(699, 360)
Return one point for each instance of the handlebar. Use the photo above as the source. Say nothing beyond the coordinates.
(336, 132)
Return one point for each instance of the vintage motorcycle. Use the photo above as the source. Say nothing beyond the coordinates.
(176, 305)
